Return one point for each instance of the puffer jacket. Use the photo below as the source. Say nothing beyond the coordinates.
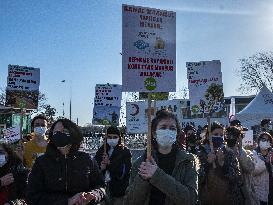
(180, 187)
(55, 178)
(261, 178)
(119, 168)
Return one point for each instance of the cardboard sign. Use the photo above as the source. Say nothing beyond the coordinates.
(106, 115)
(11, 135)
(22, 99)
(201, 75)
(136, 113)
(23, 78)
(148, 49)
(108, 95)
(248, 138)
(22, 87)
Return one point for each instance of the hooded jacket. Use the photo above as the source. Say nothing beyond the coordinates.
(180, 187)
(55, 178)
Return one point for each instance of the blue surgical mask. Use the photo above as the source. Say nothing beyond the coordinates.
(112, 142)
(40, 131)
(166, 137)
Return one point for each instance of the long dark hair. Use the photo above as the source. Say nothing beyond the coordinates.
(115, 130)
(266, 134)
(73, 129)
(12, 157)
(161, 115)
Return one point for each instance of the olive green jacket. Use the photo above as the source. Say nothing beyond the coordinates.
(180, 188)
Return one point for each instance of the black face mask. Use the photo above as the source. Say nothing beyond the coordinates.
(231, 142)
(60, 139)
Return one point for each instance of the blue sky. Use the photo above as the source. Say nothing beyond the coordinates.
(80, 41)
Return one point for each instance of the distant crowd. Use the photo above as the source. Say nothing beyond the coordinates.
(208, 165)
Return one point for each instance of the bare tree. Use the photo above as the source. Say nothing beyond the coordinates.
(2, 96)
(50, 112)
(255, 72)
(41, 99)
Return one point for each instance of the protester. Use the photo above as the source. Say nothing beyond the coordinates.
(263, 181)
(235, 123)
(266, 126)
(189, 129)
(181, 140)
(37, 145)
(115, 164)
(220, 177)
(64, 175)
(13, 177)
(233, 138)
(169, 176)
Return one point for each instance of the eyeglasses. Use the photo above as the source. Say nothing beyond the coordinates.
(65, 131)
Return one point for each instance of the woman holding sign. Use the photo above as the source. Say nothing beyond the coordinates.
(220, 184)
(169, 176)
(115, 163)
(13, 177)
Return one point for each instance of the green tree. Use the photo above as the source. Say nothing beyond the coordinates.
(255, 72)
(49, 112)
(214, 95)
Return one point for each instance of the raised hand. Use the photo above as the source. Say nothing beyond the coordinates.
(147, 169)
(7, 179)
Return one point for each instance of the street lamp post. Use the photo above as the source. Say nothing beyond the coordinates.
(70, 99)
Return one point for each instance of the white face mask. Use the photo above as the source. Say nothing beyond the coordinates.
(166, 138)
(264, 145)
(40, 131)
(112, 142)
(3, 160)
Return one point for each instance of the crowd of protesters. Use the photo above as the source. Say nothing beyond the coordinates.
(204, 166)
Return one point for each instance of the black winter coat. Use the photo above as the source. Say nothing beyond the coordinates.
(119, 168)
(15, 190)
(54, 178)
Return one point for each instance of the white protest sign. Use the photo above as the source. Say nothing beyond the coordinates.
(11, 134)
(136, 121)
(136, 113)
(148, 49)
(106, 115)
(200, 76)
(23, 78)
(108, 95)
(248, 138)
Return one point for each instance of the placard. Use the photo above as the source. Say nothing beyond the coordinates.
(148, 49)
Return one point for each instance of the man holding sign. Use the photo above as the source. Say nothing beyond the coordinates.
(36, 146)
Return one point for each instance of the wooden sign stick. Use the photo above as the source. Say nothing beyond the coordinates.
(149, 137)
